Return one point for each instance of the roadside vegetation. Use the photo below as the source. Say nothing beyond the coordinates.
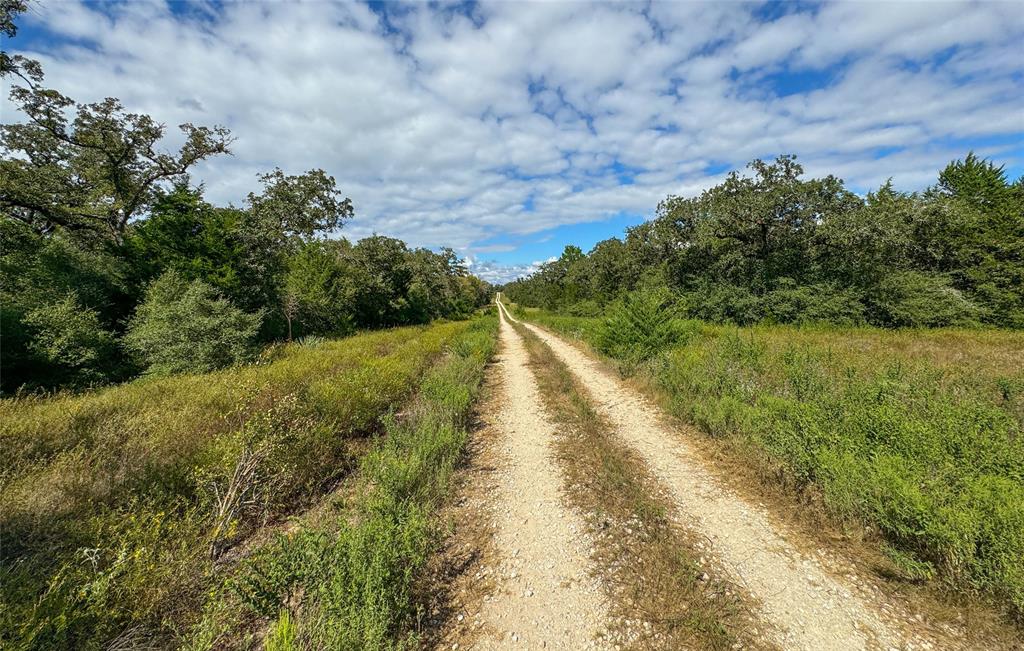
(916, 433)
(349, 578)
(663, 596)
(864, 350)
(775, 247)
(123, 510)
(113, 265)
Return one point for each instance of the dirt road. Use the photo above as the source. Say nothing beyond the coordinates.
(814, 609)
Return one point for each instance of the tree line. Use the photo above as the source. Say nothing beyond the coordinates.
(112, 264)
(773, 246)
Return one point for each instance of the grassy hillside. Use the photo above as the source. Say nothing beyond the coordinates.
(121, 509)
(918, 433)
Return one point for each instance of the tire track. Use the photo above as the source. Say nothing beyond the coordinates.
(545, 597)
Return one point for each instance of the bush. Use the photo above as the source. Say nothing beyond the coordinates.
(819, 303)
(722, 303)
(185, 327)
(71, 339)
(920, 300)
(640, 325)
(585, 308)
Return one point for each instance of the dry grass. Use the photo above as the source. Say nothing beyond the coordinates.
(666, 590)
(119, 507)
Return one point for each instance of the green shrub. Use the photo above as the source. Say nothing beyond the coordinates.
(640, 325)
(920, 300)
(186, 327)
(820, 303)
(71, 339)
(724, 303)
(586, 308)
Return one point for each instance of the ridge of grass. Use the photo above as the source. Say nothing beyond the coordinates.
(665, 593)
(349, 580)
(121, 509)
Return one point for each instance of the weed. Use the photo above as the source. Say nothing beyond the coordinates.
(118, 508)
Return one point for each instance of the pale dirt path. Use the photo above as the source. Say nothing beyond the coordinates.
(546, 597)
(812, 609)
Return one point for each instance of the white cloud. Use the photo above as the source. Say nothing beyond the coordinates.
(443, 127)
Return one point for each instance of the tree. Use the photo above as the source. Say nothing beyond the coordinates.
(761, 228)
(917, 299)
(36, 271)
(299, 206)
(186, 327)
(775, 246)
(607, 269)
(318, 293)
(978, 182)
(17, 64)
(69, 337)
(185, 233)
(95, 173)
(383, 276)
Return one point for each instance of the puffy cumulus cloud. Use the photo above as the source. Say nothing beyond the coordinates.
(458, 124)
(497, 273)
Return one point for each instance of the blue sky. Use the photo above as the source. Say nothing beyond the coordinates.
(508, 130)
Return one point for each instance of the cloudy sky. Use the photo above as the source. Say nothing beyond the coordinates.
(508, 130)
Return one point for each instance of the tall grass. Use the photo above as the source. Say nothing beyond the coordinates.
(918, 433)
(348, 581)
(119, 508)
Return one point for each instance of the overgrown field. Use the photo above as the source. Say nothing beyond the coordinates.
(126, 513)
(918, 433)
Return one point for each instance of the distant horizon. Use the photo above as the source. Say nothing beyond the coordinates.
(507, 131)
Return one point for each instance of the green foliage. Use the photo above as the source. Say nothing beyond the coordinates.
(776, 247)
(356, 576)
(70, 337)
(915, 299)
(980, 183)
(118, 506)
(639, 326)
(815, 303)
(186, 234)
(724, 303)
(297, 206)
(36, 272)
(318, 292)
(283, 634)
(90, 205)
(94, 173)
(185, 327)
